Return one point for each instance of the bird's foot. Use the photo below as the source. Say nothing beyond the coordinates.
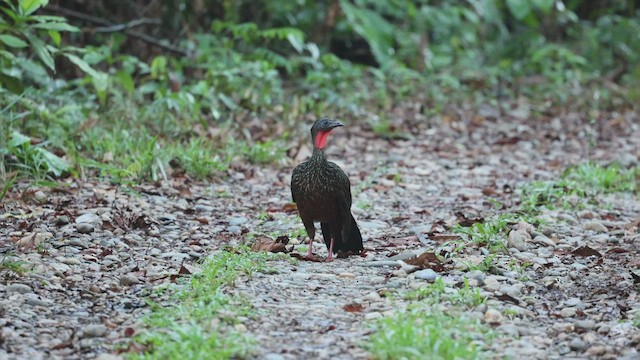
(310, 257)
(329, 258)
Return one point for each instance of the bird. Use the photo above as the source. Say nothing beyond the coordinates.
(322, 193)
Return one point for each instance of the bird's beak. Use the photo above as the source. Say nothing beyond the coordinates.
(335, 124)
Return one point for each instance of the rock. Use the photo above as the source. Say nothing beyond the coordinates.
(372, 316)
(62, 220)
(346, 275)
(517, 239)
(19, 288)
(128, 280)
(596, 350)
(543, 240)
(594, 226)
(568, 312)
(508, 329)
(106, 356)
(372, 296)
(477, 275)
(89, 218)
(426, 274)
(273, 356)
(94, 330)
(35, 300)
(577, 345)
(491, 283)
(524, 226)
(493, 317)
(237, 221)
(568, 218)
(234, 229)
(70, 261)
(85, 228)
(40, 197)
(574, 302)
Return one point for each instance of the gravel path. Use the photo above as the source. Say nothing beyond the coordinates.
(95, 251)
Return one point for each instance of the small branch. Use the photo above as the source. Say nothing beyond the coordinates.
(108, 26)
(129, 25)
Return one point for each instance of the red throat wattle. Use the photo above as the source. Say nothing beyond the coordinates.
(321, 139)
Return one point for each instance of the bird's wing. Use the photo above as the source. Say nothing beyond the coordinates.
(295, 181)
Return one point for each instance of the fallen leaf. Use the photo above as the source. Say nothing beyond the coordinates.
(270, 245)
(426, 260)
(509, 298)
(585, 251)
(353, 308)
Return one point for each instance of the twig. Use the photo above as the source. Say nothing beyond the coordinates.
(108, 26)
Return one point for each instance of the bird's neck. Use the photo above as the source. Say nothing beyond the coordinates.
(318, 156)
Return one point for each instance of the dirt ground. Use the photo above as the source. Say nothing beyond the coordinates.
(93, 250)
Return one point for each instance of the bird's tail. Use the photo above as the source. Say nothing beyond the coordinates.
(353, 242)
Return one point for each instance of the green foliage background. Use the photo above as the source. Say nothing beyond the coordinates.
(134, 91)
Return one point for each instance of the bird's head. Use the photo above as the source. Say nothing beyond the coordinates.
(320, 131)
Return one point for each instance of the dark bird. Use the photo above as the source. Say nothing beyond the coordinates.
(322, 192)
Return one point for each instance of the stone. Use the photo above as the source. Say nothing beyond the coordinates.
(576, 344)
(237, 221)
(62, 220)
(493, 317)
(491, 283)
(85, 228)
(128, 280)
(568, 312)
(94, 330)
(594, 226)
(19, 288)
(40, 197)
(586, 324)
(426, 274)
(517, 239)
(543, 240)
(89, 218)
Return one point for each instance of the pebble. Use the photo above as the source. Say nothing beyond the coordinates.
(346, 275)
(577, 345)
(40, 197)
(426, 274)
(543, 240)
(88, 218)
(273, 356)
(568, 312)
(19, 288)
(491, 283)
(372, 315)
(34, 300)
(574, 302)
(234, 229)
(596, 350)
(477, 275)
(106, 356)
(85, 228)
(70, 261)
(584, 324)
(237, 221)
(493, 317)
(94, 330)
(517, 239)
(594, 226)
(128, 280)
(62, 220)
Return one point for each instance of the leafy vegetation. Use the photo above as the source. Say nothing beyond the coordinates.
(579, 185)
(200, 321)
(112, 108)
(426, 332)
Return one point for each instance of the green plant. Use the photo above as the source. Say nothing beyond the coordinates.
(187, 328)
(432, 293)
(17, 266)
(466, 296)
(489, 233)
(421, 333)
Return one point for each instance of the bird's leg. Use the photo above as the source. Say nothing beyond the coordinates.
(330, 257)
(310, 253)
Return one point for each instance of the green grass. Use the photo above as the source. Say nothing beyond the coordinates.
(16, 266)
(579, 186)
(426, 333)
(490, 233)
(199, 320)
